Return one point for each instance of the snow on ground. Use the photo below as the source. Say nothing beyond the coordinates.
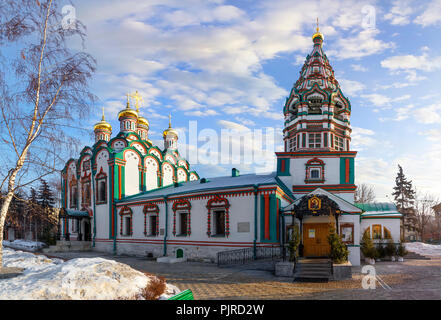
(24, 244)
(424, 248)
(77, 279)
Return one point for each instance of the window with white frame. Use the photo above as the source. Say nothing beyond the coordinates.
(315, 140)
(315, 173)
(292, 144)
(338, 143)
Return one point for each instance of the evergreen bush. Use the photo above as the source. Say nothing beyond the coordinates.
(401, 250)
(367, 247)
(339, 250)
(293, 244)
(390, 248)
(381, 250)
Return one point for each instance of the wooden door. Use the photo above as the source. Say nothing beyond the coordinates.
(315, 240)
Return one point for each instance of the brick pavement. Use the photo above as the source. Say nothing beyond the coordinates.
(412, 279)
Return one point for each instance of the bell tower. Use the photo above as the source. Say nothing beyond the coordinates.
(317, 131)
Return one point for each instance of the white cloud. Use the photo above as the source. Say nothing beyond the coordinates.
(431, 14)
(380, 100)
(429, 115)
(351, 87)
(433, 135)
(358, 46)
(358, 67)
(400, 13)
(423, 62)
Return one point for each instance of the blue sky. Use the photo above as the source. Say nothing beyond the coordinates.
(231, 64)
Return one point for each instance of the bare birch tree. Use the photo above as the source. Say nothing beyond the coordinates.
(424, 212)
(364, 193)
(43, 91)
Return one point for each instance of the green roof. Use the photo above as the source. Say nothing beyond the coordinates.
(376, 206)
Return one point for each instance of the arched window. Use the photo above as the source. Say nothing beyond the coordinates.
(101, 187)
(73, 194)
(85, 193)
(181, 218)
(126, 225)
(218, 223)
(151, 220)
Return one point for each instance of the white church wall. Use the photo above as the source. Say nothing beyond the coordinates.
(131, 173)
(151, 175)
(393, 225)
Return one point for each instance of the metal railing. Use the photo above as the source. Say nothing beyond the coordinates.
(242, 256)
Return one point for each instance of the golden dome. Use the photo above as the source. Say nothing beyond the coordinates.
(143, 121)
(317, 33)
(170, 130)
(102, 125)
(127, 112)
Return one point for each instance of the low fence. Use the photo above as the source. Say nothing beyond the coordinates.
(242, 256)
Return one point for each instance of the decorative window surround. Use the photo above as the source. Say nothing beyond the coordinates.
(126, 211)
(214, 204)
(314, 165)
(182, 205)
(149, 210)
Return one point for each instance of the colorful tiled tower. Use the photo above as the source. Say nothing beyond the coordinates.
(317, 132)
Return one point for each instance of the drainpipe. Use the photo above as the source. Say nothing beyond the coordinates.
(94, 212)
(255, 222)
(115, 228)
(166, 226)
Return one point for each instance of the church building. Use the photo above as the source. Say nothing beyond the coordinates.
(126, 195)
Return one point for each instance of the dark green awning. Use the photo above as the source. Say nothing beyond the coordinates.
(74, 213)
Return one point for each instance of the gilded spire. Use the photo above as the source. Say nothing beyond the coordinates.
(128, 100)
(317, 33)
(170, 130)
(137, 98)
(103, 124)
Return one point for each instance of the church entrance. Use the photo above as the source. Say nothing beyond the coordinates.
(315, 240)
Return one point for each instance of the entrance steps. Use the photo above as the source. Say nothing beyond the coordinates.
(64, 246)
(313, 270)
(414, 255)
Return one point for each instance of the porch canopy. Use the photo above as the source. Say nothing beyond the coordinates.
(70, 213)
(320, 202)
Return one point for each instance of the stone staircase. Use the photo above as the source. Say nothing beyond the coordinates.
(64, 246)
(313, 270)
(414, 255)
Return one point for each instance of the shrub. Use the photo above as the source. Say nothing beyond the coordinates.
(381, 251)
(367, 247)
(390, 248)
(293, 244)
(401, 250)
(339, 251)
(154, 289)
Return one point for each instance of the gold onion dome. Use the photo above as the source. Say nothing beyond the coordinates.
(317, 33)
(127, 112)
(102, 125)
(170, 130)
(143, 121)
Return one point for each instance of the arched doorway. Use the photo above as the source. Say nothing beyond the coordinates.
(179, 253)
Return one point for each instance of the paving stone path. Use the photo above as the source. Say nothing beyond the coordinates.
(411, 279)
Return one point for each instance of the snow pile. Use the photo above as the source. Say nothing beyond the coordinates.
(24, 244)
(78, 279)
(424, 249)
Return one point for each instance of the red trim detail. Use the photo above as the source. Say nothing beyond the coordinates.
(267, 226)
(347, 170)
